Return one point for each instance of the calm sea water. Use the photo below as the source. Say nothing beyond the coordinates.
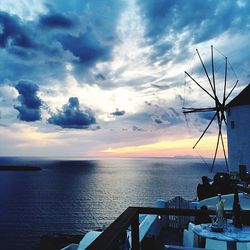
(73, 196)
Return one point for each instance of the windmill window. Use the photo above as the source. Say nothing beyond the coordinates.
(232, 124)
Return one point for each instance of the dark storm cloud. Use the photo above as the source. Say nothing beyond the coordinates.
(82, 34)
(20, 64)
(167, 21)
(21, 53)
(71, 116)
(13, 33)
(57, 21)
(118, 112)
(26, 52)
(102, 16)
(206, 18)
(30, 108)
(86, 48)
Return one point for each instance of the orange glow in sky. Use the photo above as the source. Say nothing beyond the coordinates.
(167, 148)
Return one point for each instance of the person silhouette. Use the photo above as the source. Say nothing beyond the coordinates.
(204, 189)
(204, 218)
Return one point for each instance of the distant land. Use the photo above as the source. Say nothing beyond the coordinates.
(20, 168)
(185, 156)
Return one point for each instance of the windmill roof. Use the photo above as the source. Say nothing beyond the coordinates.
(243, 98)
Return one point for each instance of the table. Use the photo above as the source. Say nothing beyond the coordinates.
(231, 234)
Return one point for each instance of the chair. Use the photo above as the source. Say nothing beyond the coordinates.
(175, 221)
(216, 244)
(243, 246)
(188, 241)
(222, 245)
(188, 236)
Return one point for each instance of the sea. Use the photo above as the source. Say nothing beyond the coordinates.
(74, 195)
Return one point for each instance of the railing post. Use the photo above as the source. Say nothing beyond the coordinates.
(135, 233)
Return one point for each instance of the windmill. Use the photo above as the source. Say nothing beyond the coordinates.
(219, 108)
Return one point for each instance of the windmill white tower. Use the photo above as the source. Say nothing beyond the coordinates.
(219, 108)
(238, 130)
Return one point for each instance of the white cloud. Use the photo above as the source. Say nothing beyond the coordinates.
(138, 72)
(25, 9)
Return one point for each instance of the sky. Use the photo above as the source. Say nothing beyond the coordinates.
(106, 78)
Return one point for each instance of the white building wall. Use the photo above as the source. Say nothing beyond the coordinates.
(238, 133)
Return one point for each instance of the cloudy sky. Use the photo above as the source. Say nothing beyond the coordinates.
(106, 78)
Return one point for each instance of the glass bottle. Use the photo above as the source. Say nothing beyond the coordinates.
(219, 211)
(236, 210)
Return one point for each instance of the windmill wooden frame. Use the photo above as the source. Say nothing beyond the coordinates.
(219, 108)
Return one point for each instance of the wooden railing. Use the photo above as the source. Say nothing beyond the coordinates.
(130, 217)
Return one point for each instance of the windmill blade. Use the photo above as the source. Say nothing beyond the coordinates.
(232, 90)
(224, 151)
(225, 83)
(203, 65)
(195, 110)
(220, 103)
(198, 84)
(223, 118)
(205, 130)
(216, 149)
(212, 57)
(217, 102)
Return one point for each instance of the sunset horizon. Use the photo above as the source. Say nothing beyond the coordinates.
(93, 79)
